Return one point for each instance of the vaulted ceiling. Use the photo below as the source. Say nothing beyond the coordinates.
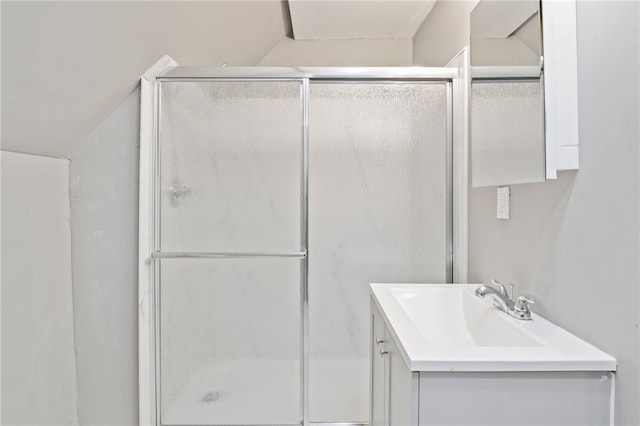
(357, 19)
(66, 65)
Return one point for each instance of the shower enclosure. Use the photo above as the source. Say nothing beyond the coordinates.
(272, 198)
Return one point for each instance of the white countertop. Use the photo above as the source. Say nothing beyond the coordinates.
(446, 327)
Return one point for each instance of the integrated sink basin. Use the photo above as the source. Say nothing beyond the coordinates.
(446, 327)
(468, 321)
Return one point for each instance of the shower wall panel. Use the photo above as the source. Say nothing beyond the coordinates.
(377, 213)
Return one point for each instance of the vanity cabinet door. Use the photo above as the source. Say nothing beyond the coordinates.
(378, 359)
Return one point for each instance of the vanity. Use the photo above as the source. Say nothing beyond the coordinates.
(441, 355)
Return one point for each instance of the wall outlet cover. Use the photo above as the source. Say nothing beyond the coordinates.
(503, 205)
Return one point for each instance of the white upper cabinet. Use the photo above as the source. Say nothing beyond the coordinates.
(560, 85)
(524, 91)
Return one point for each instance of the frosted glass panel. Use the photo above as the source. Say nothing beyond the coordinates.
(377, 213)
(230, 341)
(507, 141)
(230, 166)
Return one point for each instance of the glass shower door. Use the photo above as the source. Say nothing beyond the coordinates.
(230, 256)
(378, 203)
(231, 239)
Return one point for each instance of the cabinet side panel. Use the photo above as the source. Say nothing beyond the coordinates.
(527, 398)
(377, 385)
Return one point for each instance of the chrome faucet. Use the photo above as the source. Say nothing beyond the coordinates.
(518, 308)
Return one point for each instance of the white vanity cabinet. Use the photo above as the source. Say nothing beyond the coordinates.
(394, 393)
(432, 384)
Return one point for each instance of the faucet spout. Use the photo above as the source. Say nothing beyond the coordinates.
(497, 296)
(502, 301)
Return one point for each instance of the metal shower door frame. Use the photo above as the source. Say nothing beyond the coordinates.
(149, 226)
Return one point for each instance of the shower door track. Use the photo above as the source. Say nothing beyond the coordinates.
(149, 250)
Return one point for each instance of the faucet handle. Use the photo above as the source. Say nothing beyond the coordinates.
(523, 302)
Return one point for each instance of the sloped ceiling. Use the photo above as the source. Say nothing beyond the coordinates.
(500, 18)
(67, 65)
(357, 19)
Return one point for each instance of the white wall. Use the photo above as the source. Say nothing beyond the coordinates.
(573, 243)
(104, 199)
(443, 34)
(38, 368)
(360, 53)
(87, 56)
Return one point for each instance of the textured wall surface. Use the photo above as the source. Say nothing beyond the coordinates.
(38, 368)
(104, 229)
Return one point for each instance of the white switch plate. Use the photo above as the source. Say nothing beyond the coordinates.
(504, 195)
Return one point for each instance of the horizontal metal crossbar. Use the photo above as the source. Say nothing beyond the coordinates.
(224, 255)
